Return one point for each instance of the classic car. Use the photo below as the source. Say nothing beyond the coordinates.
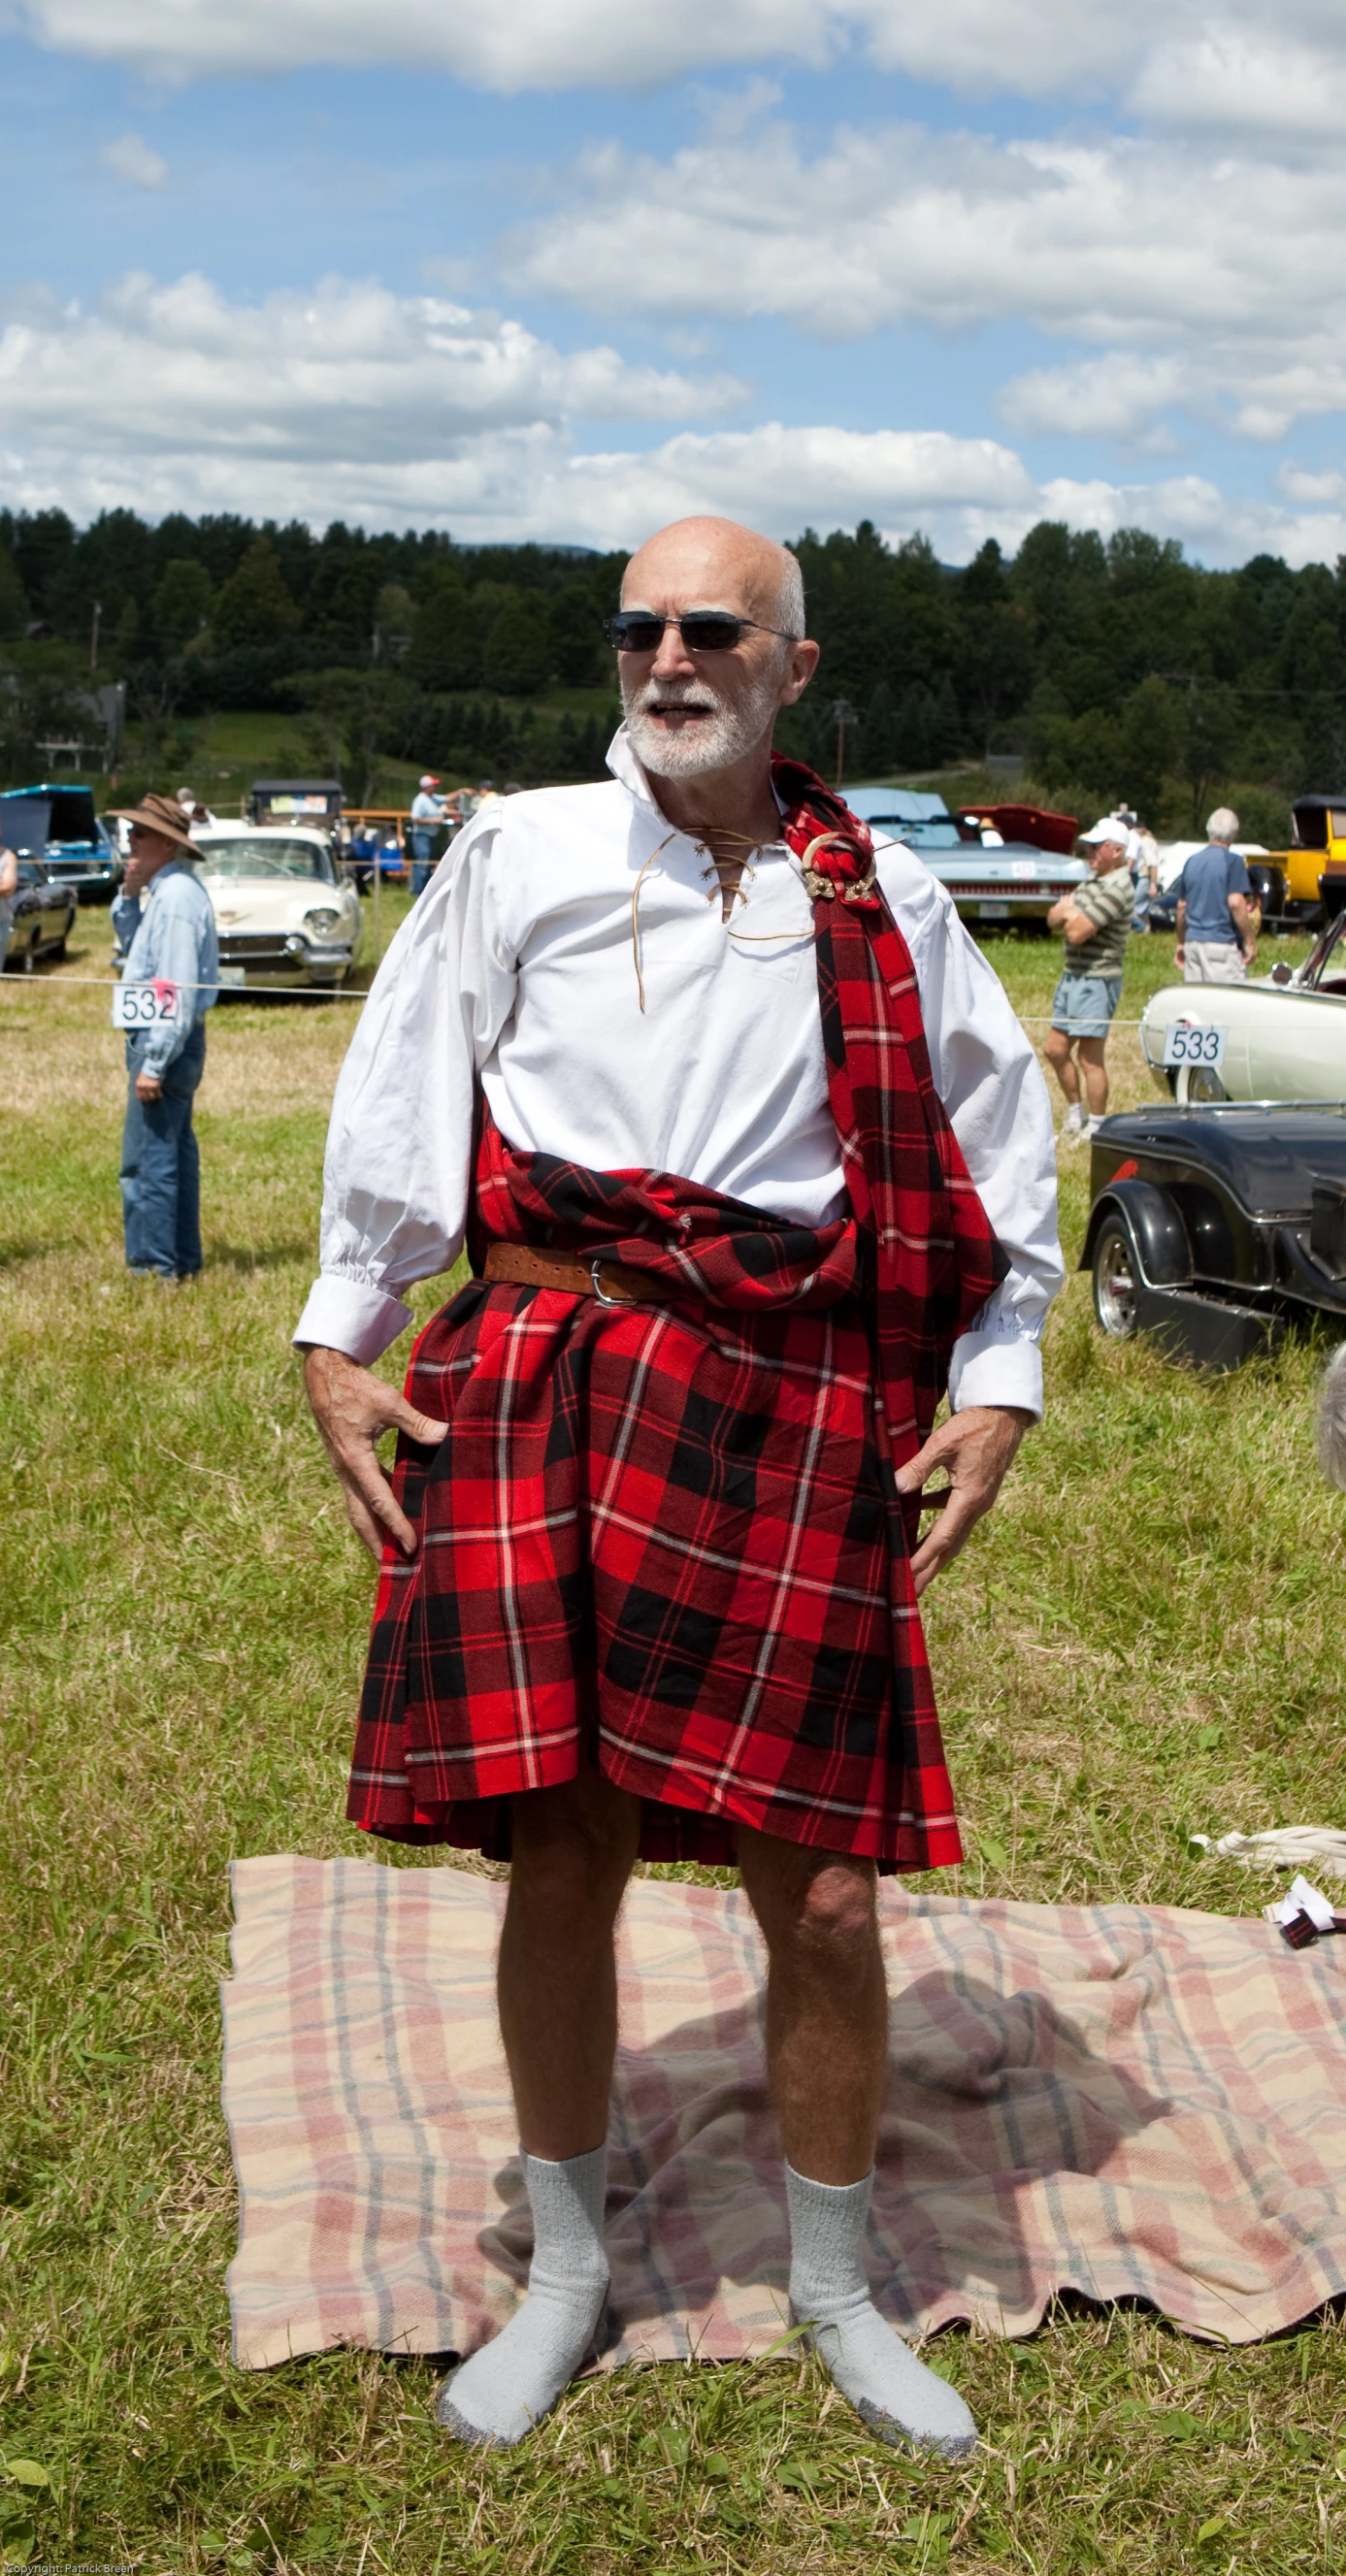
(44, 916)
(1284, 1034)
(1314, 866)
(59, 826)
(1215, 1229)
(991, 878)
(310, 801)
(282, 914)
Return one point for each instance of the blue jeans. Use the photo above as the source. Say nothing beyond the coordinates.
(422, 862)
(161, 1167)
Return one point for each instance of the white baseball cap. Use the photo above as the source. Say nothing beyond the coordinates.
(428, 781)
(1109, 827)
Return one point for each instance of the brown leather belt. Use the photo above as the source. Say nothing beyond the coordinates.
(576, 1274)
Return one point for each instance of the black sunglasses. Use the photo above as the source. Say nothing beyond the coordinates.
(707, 630)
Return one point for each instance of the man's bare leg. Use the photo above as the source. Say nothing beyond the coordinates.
(1093, 1065)
(827, 2051)
(573, 1850)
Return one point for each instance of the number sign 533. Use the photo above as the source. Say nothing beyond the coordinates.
(1185, 1043)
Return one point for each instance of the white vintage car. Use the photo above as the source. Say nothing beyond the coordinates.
(1283, 1035)
(283, 914)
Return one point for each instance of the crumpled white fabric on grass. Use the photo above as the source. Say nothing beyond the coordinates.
(1287, 1847)
(1303, 1899)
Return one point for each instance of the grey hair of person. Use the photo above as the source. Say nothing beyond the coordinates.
(790, 603)
(1332, 1421)
(1223, 824)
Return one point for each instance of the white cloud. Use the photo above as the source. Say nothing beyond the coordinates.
(346, 368)
(352, 403)
(132, 159)
(1222, 280)
(1261, 81)
(1032, 48)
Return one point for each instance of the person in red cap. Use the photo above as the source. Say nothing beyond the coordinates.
(427, 813)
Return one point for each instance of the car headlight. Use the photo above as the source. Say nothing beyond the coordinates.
(322, 923)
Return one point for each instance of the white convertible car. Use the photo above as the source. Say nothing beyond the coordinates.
(282, 914)
(1282, 1037)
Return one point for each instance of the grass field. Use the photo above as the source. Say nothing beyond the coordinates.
(1146, 1638)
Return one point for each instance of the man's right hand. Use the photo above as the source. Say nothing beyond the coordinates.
(352, 1409)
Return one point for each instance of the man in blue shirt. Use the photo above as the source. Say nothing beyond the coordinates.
(1216, 943)
(166, 930)
(427, 813)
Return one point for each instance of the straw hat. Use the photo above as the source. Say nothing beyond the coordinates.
(159, 814)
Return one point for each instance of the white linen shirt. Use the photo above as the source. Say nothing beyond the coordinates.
(518, 966)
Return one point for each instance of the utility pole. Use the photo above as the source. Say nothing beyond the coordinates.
(842, 714)
(93, 635)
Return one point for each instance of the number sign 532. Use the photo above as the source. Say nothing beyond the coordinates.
(145, 1006)
(1185, 1043)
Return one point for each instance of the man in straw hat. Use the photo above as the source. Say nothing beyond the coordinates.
(752, 1159)
(166, 929)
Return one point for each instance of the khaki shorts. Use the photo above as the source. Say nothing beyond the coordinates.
(1214, 961)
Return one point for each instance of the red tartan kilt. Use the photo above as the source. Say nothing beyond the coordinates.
(666, 1541)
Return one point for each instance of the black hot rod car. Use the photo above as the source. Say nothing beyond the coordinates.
(1215, 1228)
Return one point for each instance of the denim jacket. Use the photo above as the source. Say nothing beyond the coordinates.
(169, 933)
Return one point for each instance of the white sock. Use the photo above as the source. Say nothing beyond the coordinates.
(889, 2388)
(506, 2388)
(1074, 1115)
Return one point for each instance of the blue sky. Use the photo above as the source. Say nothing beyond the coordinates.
(560, 269)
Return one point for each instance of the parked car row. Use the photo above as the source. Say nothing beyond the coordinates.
(58, 827)
(44, 916)
(1003, 863)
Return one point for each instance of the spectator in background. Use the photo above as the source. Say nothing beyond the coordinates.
(1142, 858)
(427, 813)
(1217, 941)
(364, 851)
(166, 927)
(1096, 920)
(9, 887)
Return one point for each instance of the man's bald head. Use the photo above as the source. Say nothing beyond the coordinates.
(714, 563)
(695, 710)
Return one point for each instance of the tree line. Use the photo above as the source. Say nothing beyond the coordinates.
(1114, 668)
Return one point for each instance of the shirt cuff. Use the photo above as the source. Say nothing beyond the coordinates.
(348, 1315)
(989, 1368)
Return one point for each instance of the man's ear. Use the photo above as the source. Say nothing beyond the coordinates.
(804, 659)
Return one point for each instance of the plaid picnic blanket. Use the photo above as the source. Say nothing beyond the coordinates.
(1129, 2102)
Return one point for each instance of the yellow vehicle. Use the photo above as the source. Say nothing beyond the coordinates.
(1314, 868)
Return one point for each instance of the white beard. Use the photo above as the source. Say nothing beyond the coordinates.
(729, 731)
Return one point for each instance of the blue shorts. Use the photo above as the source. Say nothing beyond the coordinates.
(1083, 1005)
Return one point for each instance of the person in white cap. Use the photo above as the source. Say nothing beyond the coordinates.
(427, 813)
(1096, 920)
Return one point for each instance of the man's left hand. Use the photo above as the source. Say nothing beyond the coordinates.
(149, 1087)
(976, 1447)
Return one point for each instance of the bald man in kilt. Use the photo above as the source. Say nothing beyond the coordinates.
(752, 1162)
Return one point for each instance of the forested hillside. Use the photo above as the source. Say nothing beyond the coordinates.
(1116, 669)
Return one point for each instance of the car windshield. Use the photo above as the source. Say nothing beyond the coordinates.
(267, 854)
(31, 872)
(1325, 970)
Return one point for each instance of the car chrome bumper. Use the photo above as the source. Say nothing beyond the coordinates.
(264, 961)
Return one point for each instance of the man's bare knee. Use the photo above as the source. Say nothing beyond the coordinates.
(809, 1904)
(574, 1845)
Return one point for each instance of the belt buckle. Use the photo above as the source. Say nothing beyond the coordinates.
(601, 1293)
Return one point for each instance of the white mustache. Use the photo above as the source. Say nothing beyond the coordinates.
(672, 693)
